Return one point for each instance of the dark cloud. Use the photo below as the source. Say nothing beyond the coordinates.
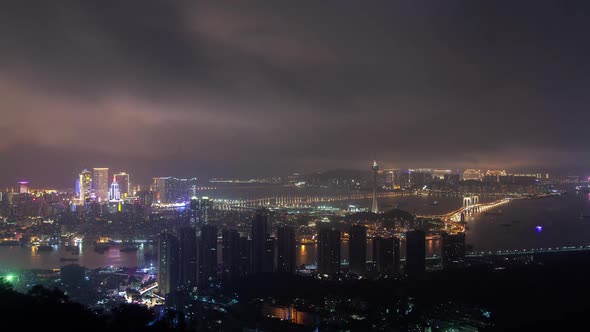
(252, 87)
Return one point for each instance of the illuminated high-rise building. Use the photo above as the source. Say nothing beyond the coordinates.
(392, 178)
(439, 174)
(404, 178)
(192, 186)
(114, 194)
(200, 211)
(471, 174)
(375, 169)
(23, 187)
(205, 210)
(85, 185)
(160, 189)
(100, 183)
(493, 176)
(123, 181)
(329, 251)
(358, 249)
(171, 190)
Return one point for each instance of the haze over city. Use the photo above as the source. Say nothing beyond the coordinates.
(247, 89)
(294, 166)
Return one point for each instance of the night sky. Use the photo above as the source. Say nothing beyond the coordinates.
(218, 88)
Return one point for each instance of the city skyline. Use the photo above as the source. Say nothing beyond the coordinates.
(220, 89)
(276, 165)
(122, 176)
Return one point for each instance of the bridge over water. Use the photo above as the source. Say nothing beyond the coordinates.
(300, 201)
(467, 208)
(529, 251)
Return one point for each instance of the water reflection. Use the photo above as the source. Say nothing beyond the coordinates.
(307, 254)
(562, 218)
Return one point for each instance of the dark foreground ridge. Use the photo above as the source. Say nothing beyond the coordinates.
(42, 309)
(528, 297)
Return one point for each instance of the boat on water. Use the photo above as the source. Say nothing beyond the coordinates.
(435, 203)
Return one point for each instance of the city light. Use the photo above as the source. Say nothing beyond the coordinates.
(368, 166)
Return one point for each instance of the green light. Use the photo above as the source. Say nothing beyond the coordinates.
(9, 278)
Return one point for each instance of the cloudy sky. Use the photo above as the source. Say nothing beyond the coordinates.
(216, 88)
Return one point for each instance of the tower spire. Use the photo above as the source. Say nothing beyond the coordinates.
(375, 168)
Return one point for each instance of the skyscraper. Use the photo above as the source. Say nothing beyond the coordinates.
(329, 251)
(188, 256)
(160, 189)
(286, 249)
(259, 235)
(420, 177)
(415, 254)
(358, 249)
(383, 255)
(193, 212)
(100, 183)
(375, 169)
(114, 193)
(439, 174)
(171, 190)
(245, 256)
(453, 250)
(471, 174)
(23, 187)
(204, 208)
(85, 185)
(168, 264)
(207, 255)
(122, 179)
(396, 256)
(392, 178)
(200, 210)
(231, 254)
(268, 264)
